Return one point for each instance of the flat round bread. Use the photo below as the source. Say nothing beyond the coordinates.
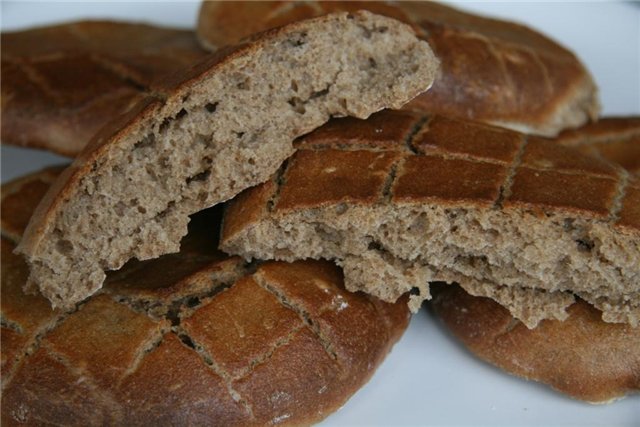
(193, 338)
(494, 71)
(582, 356)
(62, 83)
(404, 199)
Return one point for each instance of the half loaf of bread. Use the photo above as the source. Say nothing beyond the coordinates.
(493, 71)
(193, 338)
(401, 199)
(581, 356)
(62, 83)
(224, 126)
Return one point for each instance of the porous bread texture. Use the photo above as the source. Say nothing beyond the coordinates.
(225, 127)
(401, 200)
(530, 265)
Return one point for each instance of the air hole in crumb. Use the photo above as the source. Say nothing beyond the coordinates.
(64, 246)
(251, 161)
(319, 93)
(211, 107)
(382, 29)
(298, 40)
(373, 63)
(294, 85)
(414, 291)
(239, 134)
(181, 113)
(198, 177)
(244, 85)
(142, 209)
(147, 141)
(375, 246)
(585, 245)
(350, 16)
(165, 125)
(297, 104)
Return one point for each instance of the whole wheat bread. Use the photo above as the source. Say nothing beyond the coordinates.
(193, 338)
(493, 71)
(226, 125)
(401, 199)
(581, 356)
(62, 83)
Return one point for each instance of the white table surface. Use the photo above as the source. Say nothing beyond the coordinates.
(429, 378)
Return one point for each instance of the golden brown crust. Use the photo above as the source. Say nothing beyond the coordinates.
(493, 71)
(581, 356)
(616, 139)
(190, 338)
(62, 83)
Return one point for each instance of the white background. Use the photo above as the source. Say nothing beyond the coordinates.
(429, 379)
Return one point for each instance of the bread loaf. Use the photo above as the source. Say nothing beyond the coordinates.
(226, 125)
(62, 83)
(401, 200)
(193, 338)
(493, 71)
(581, 356)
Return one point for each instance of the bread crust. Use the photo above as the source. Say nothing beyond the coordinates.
(404, 201)
(493, 71)
(582, 356)
(190, 338)
(168, 118)
(62, 83)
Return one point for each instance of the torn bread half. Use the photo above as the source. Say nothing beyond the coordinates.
(191, 338)
(402, 199)
(494, 71)
(581, 356)
(224, 126)
(62, 83)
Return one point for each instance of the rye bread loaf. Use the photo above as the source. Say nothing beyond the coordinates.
(581, 356)
(401, 200)
(62, 83)
(193, 338)
(226, 125)
(493, 71)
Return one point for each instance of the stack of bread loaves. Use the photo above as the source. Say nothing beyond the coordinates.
(486, 183)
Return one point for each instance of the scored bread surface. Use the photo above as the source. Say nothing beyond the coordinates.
(192, 338)
(493, 71)
(616, 139)
(402, 199)
(62, 83)
(226, 125)
(581, 356)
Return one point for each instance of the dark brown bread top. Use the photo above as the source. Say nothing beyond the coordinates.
(62, 83)
(194, 338)
(399, 176)
(492, 71)
(616, 139)
(403, 157)
(582, 356)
